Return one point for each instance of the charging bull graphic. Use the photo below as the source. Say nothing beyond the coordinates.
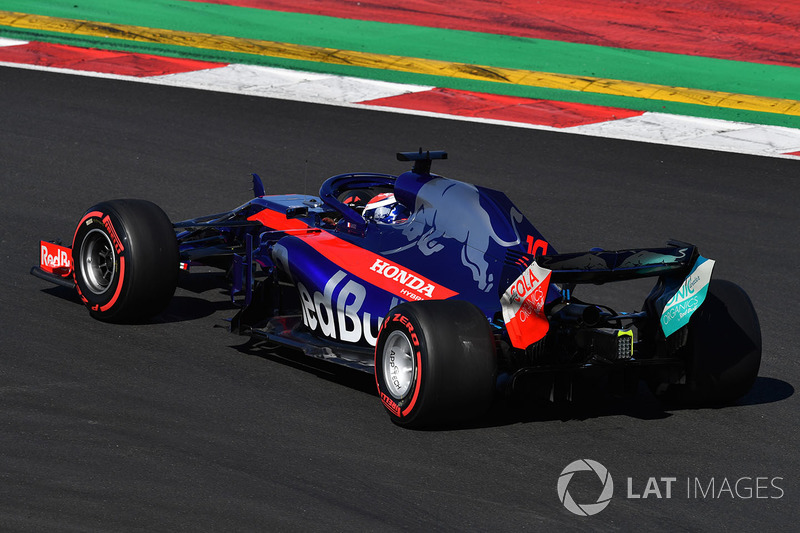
(446, 209)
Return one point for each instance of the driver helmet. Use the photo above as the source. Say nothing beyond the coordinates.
(386, 209)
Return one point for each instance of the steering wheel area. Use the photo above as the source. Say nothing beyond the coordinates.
(334, 190)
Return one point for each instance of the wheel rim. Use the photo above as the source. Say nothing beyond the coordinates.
(97, 260)
(399, 364)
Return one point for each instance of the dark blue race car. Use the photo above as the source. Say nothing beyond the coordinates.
(443, 289)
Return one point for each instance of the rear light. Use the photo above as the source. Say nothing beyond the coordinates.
(612, 344)
(624, 345)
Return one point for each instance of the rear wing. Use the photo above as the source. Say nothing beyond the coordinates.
(683, 274)
(606, 266)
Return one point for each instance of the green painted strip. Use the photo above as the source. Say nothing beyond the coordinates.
(444, 45)
(396, 63)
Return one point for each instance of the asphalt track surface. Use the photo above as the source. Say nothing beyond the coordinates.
(179, 425)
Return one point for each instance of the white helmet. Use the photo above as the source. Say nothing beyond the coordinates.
(386, 209)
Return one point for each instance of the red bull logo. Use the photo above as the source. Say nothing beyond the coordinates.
(55, 258)
(339, 316)
(464, 220)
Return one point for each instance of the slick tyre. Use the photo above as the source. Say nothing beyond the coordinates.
(723, 351)
(435, 363)
(125, 258)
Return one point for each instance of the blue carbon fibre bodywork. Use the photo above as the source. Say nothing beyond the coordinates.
(337, 277)
(312, 272)
(348, 272)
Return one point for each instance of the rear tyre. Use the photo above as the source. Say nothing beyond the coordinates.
(723, 351)
(125, 257)
(435, 363)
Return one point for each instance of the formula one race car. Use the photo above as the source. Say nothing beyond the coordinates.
(441, 288)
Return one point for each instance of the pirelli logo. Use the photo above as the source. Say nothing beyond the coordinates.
(113, 233)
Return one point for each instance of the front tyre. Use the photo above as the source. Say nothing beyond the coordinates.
(435, 362)
(125, 258)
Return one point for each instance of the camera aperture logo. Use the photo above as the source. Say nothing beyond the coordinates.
(585, 509)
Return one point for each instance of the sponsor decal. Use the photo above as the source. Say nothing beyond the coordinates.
(523, 304)
(390, 404)
(375, 269)
(416, 288)
(113, 233)
(55, 258)
(336, 312)
(687, 299)
(448, 211)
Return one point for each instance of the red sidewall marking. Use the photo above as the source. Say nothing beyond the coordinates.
(387, 401)
(417, 385)
(109, 226)
(93, 214)
(404, 321)
(114, 298)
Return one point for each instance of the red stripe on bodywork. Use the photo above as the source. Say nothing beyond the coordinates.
(404, 283)
(279, 221)
(508, 108)
(362, 263)
(104, 61)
